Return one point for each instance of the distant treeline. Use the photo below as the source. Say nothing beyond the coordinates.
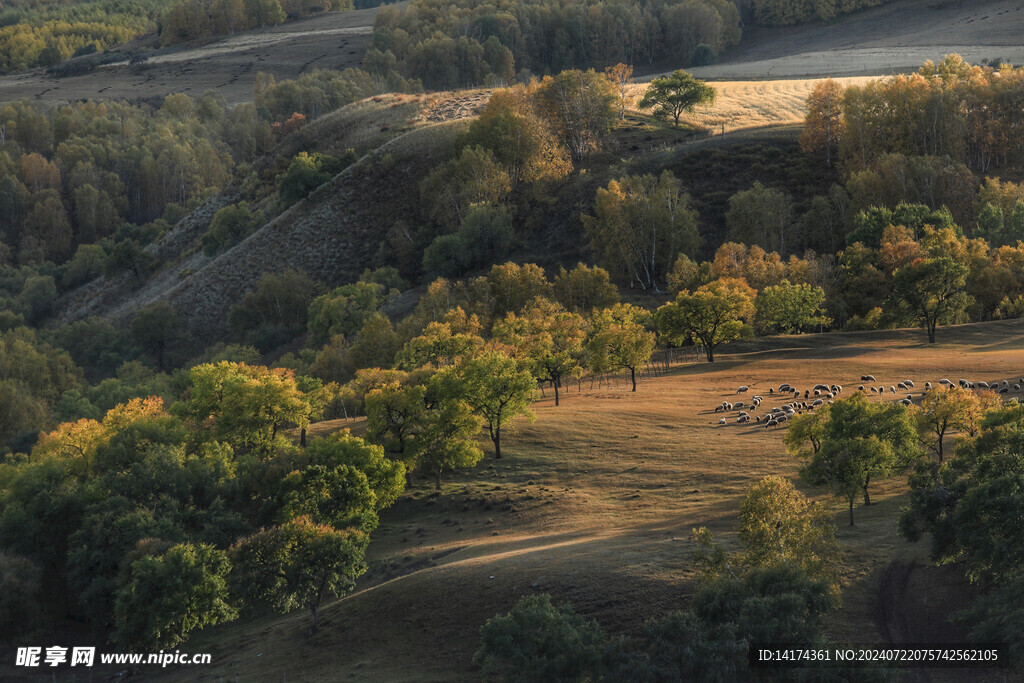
(784, 12)
(45, 34)
(464, 43)
(191, 19)
(459, 43)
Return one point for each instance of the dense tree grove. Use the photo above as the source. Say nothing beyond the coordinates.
(456, 44)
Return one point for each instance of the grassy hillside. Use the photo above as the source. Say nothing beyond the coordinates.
(594, 503)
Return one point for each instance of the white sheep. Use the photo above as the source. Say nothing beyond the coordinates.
(908, 383)
(742, 389)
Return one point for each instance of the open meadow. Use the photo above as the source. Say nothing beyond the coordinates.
(594, 503)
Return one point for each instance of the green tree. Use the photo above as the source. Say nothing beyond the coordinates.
(521, 141)
(447, 439)
(296, 564)
(499, 390)
(583, 288)
(345, 310)
(395, 415)
(547, 339)
(780, 526)
(170, 595)
(931, 291)
(155, 330)
(789, 308)
(861, 441)
(672, 95)
(385, 477)
(762, 216)
(619, 339)
(823, 125)
(946, 409)
(712, 315)
(244, 405)
(306, 172)
(229, 226)
(641, 225)
(474, 177)
(580, 105)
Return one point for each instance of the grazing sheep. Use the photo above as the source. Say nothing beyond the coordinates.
(737, 405)
(807, 394)
(901, 386)
(927, 386)
(983, 385)
(817, 392)
(904, 401)
(817, 403)
(1016, 387)
(719, 408)
(742, 389)
(837, 389)
(743, 418)
(1003, 390)
(722, 421)
(860, 388)
(771, 390)
(771, 423)
(873, 390)
(910, 397)
(868, 378)
(945, 382)
(784, 387)
(783, 417)
(963, 383)
(892, 388)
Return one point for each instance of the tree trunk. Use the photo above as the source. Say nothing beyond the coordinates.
(496, 438)
(931, 333)
(302, 437)
(556, 391)
(711, 355)
(437, 479)
(867, 498)
(851, 510)
(314, 611)
(632, 376)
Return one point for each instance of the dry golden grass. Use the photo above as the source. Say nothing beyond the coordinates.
(594, 503)
(742, 105)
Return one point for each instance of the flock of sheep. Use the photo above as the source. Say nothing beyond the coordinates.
(827, 393)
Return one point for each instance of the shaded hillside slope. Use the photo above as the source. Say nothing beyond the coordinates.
(331, 236)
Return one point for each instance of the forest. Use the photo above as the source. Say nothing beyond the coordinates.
(174, 470)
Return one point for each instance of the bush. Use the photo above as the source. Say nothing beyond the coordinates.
(229, 226)
(308, 172)
(702, 55)
(485, 236)
(537, 641)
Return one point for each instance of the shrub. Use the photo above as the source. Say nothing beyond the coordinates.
(538, 641)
